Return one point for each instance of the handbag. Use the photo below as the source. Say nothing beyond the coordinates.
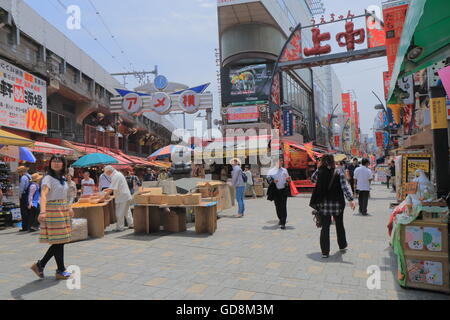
(317, 217)
(292, 189)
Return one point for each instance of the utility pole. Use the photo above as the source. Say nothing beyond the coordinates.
(140, 75)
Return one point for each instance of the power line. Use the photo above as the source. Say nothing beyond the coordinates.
(111, 34)
(94, 37)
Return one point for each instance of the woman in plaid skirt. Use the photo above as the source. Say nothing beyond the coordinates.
(55, 217)
(329, 199)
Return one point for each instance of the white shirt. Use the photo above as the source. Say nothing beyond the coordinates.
(120, 186)
(249, 177)
(104, 182)
(88, 187)
(363, 175)
(56, 191)
(280, 174)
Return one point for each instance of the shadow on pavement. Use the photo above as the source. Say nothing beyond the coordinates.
(37, 285)
(333, 258)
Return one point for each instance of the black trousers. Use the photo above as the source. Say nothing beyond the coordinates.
(325, 233)
(280, 199)
(387, 181)
(363, 200)
(57, 251)
(33, 214)
(24, 212)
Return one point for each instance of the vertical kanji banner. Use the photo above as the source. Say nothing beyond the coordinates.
(23, 100)
(394, 13)
(386, 83)
(376, 36)
(379, 138)
(293, 50)
(346, 105)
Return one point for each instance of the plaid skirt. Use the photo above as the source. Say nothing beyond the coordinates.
(330, 208)
(56, 229)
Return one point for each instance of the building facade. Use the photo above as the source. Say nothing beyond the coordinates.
(77, 89)
(251, 36)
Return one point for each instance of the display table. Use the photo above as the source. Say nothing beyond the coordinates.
(149, 217)
(99, 216)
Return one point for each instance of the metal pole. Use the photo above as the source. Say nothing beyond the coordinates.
(440, 141)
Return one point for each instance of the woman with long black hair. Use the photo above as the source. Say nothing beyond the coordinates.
(328, 199)
(55, 217)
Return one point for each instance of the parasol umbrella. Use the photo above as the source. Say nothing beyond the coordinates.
(169, 150)
(19, 153)
(10, 139)
(94, 159)
(339, 157)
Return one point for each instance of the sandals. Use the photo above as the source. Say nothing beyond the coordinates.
(62, 275)
(38, 270)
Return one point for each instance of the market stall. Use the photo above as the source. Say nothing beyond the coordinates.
(420, 236)
(99, 215)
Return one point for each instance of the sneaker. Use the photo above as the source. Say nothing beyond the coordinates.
(325, 256)
(283, 227)
(62, 275)
(38, 270)
(343, 250)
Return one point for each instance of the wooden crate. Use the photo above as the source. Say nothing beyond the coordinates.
(427, 271)
(174, 200)
(192, 199)
(435, 216)
(424, 236)
(175, 221)
(142, 198)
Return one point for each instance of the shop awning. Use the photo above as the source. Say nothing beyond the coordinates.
(10, 139)
(43, 147)
(427, 28)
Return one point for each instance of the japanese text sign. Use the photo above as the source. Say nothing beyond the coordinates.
(23, 100)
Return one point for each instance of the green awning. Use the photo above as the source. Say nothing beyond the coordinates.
(427, 25)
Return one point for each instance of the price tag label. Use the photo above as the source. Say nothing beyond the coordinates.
(36, 120)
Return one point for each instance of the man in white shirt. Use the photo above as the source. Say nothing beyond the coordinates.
(363, 178)
(122, 197)
(280, 176)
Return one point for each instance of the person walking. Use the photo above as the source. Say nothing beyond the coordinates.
(238, 182)
(55, 217)
(328, 199)
(73, 191)
(249, 185)
(87, 184)
(392, 175)
(33, 196)
(24, 182)
(363, 178)
(280, 177)
(132, 181)
(123, 197)
(351, 172)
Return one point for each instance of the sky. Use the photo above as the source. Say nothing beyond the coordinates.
(180, 36)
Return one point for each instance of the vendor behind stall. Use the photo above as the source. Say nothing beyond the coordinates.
(87, 184)
(122, 197)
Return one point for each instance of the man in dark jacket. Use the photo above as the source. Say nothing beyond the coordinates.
(351, 171)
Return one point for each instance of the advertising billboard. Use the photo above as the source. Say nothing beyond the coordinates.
(23, 99)
(246, 83)
(243, 114)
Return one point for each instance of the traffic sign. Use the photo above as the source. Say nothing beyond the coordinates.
(161, 82)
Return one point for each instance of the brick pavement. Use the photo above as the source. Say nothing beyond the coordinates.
(249, 258)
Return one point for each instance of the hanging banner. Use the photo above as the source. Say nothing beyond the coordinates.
(346, 107)
(376, 36)
(444, 74)
(288, 120)
(379, 139)
(395, 108)
(336, 141)
(394, 13)
(293, 50)
(438, 113)
(407, 86)
(23, 100)
(386, 83)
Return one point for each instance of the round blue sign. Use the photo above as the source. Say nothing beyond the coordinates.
(161, 82)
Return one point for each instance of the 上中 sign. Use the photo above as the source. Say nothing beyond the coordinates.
(132, 103)
(161, 103)
(189, 101)
(23, 100)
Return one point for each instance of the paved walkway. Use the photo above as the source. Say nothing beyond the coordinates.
(249, 258)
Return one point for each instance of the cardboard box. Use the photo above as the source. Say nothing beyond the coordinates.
(192, 199)
(155, 199)
(424, 236)
(142, 198)
(175, 222)
(435, 216)
(158, 191)
(259, 190)
(174, 200)
(427, 271)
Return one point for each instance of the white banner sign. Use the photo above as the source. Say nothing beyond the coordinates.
(23, 99)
